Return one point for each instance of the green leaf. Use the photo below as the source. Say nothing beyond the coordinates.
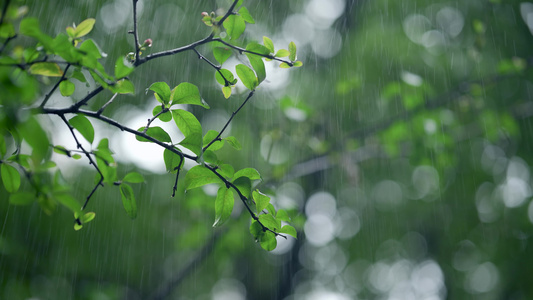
(84, 126)
(133, 177)
(62, 46)
(288, 229)
(68, 201)
(251, 173)
(79, 76)
(77, 226)
(30, 27)
(10, 178)
(156, 132)
(245, 14)
(221, 54)
(91, 49)
(128, 200)
(187, 93)
(46, 69)
(261, 200)
(284, 65)
(297, 64)
(283, 216)
(123, 68)
(282, 53)
(199, 176)
(256, 61)
(210, 157)
(233, 142)
(268, 241)
(223, 206)
(235, 26)
(270, 208)
(244, 184)
(162, 92)
(84, 27)
(109, 171)
(269, 221)
(268, 44)
(66, 88)
(292, 50)
(22, 198)
(191, 129)
(88, 217)
(209, 136)
(123, 86)
(226, 90)
(71, 32)
(228, 75)
(36, 137)
(226, 170)
(7, 30)
(247, 76)
(173, 161)
(165, 117)
(256, 230)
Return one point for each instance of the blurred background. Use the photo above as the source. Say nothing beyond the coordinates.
(402, 148)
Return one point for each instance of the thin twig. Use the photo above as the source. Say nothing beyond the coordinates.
(47, 97)
(191, 46)
(101, 110)
(164, 110)
(4, 11)
(9, 39)
(217, 68)
(175, 187)
(228, 13)
(242, 50)
(135, 33)
(217, 138)
(91, 161)
(116, 124)
(84, 101)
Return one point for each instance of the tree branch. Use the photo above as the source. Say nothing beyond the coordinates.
(47, 97)
(135, 33)
(91, 161)
(242, 50)
(217, 138)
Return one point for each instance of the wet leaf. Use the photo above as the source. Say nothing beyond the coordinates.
(10, 178)
(251, 173)
(187, 93)
(247, 76)
(221, 54)
(235, 26)
(199, 176)
(223, 206)
(84, 127)
(133, 177)
(191, 129)
(156, 132)
(288, 229)
(261, 200)
(46, 69)
(66, 88)
(128, 200)
(162, 91)
(84, 27)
